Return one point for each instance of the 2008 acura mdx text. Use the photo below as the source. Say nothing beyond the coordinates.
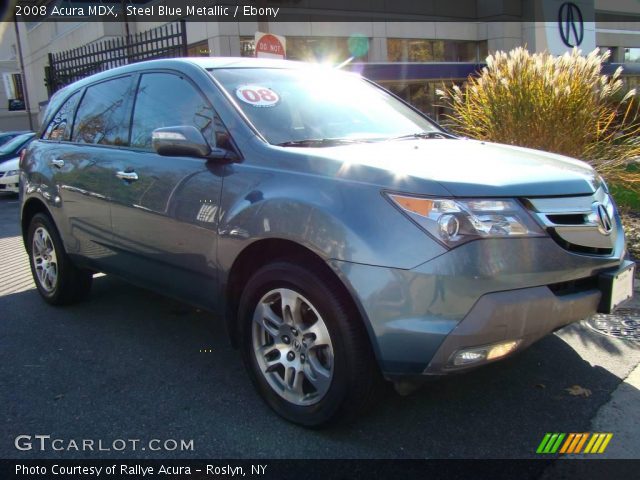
(341, 234)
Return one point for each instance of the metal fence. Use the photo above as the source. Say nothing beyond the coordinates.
(71, 65)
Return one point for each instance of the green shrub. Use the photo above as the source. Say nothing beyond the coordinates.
(561, 104)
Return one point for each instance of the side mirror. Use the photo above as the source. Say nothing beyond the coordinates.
(180, 141)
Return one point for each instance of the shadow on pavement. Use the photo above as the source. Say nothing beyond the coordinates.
(9, 215)
(132, 364)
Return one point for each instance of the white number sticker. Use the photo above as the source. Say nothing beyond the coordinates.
(257, 96)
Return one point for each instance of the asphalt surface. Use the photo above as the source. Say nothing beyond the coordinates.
(130, 364)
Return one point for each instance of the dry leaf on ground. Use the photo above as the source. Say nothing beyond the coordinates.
(578, 391)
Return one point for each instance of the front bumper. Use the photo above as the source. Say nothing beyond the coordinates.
(9, 184)
(479, 293)
(524, 315)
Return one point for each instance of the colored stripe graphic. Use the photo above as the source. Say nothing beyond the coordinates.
(543, 443)
(592, 441)
(583, 439)
(574, 442)
(604, 445)
(567, 443)
(550, 443)
(555, 447)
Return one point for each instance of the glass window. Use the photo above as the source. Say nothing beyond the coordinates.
(632, 55)
(613, 53)
(200, 49)
(288, 105)
(247, 47)
(317, 49)
(421, 50)
(13, 145)
(60, 126)
(103, 114)
(422, 95)
(167, 100)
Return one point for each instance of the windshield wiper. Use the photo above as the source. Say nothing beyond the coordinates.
(422, 135)
(318, 142)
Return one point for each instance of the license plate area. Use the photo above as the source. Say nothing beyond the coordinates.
(616, 287)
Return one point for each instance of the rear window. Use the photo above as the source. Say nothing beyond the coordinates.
(103, 114)
(60, 126)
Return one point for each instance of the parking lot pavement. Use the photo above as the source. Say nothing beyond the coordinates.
(130, 364)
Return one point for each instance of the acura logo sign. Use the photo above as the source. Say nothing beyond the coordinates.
(602, 218)
(570, 24)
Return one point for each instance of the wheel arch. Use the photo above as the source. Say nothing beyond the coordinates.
(30, 208)
(264, 251)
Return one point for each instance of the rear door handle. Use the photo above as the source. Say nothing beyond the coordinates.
(127, 176)
(57, 163)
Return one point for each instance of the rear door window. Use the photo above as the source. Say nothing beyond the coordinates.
(103, 114)
(60, 126)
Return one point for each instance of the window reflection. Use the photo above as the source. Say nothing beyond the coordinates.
(102, 116)
(166, 100)
(60, 126)
(421, 50)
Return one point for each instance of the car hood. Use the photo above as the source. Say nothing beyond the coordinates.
(467, 167)
(10, 164)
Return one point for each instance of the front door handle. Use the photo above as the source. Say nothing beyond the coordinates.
(57, 163)
(127, 176)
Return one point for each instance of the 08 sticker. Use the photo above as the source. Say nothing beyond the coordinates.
(257, 96)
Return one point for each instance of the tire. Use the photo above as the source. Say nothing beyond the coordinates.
(64, 283)
(311, 361)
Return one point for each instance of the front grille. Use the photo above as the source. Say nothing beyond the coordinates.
(579, 248)
(574, 222)
(574, 286)
(570, 219)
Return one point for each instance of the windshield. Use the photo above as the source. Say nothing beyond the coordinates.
(15, 143)
(290, 105)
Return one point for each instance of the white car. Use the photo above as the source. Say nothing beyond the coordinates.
(10, 175)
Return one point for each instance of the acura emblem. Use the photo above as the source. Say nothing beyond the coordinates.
(571, 24)
(602, 218)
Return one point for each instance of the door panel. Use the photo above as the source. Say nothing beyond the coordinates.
(89, 126)
(165, 221)
(85, 180)
(165, 224)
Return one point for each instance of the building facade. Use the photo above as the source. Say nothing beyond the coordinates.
(463, 35)
(13, 114)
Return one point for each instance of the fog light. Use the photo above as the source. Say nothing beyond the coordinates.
(502, 349)
(470, 356)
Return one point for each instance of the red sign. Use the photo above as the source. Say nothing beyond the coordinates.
(270, 46)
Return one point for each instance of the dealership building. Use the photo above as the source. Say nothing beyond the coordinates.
(410, 47)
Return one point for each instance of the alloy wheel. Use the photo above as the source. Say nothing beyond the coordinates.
(292, 347)
(45, 259)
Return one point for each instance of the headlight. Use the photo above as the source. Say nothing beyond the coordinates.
(454, 222)
(11, 173)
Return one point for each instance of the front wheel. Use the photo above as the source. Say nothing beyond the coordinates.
(304, 345)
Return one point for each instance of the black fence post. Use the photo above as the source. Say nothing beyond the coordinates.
(71, 65)
(50, 76)
(183, 31)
